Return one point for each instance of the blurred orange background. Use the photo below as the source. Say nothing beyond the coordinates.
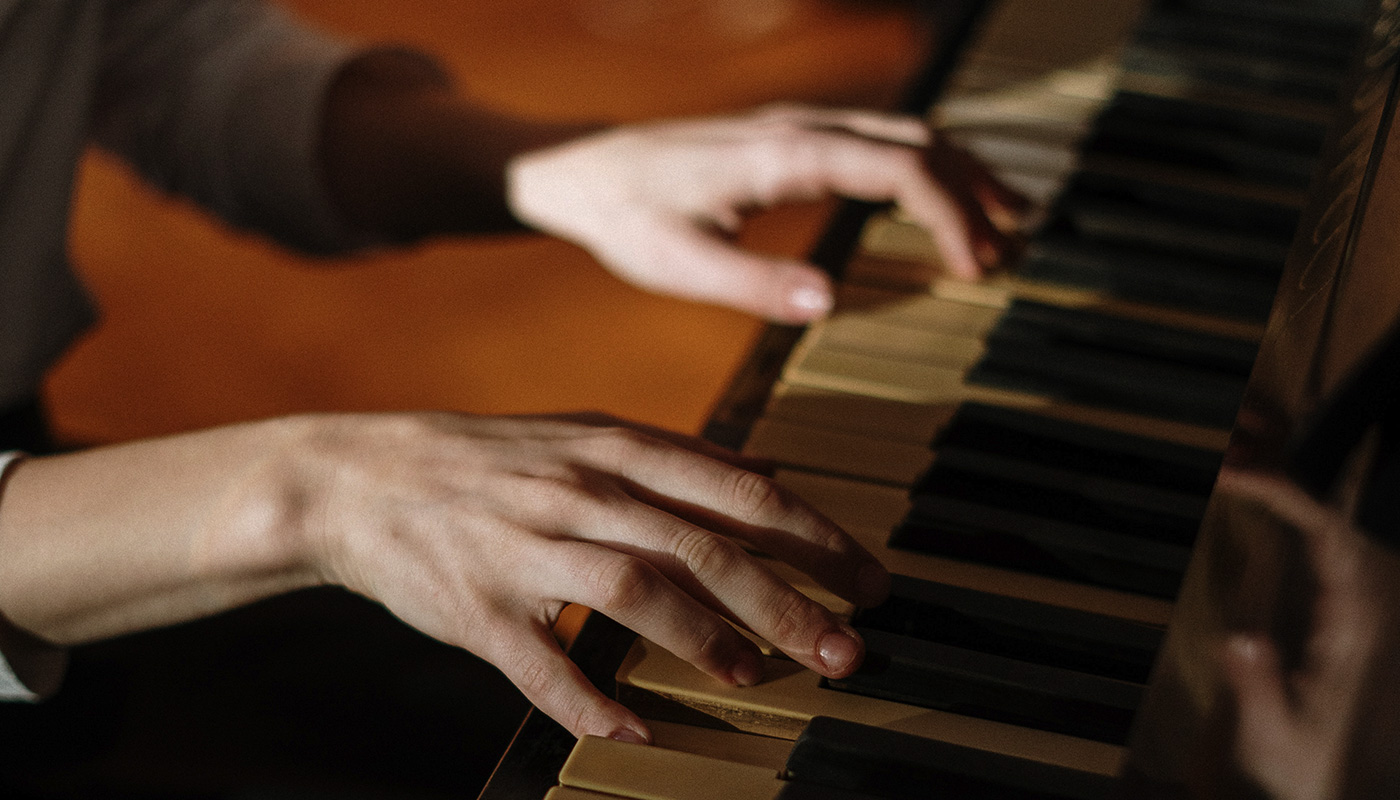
(202, 325)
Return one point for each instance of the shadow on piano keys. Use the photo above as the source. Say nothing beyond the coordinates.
(1034, 454)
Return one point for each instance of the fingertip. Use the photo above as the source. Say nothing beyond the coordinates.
(840, 651)
(615, 721)
(631, 735)
(968, 268)
(748, 671)
(810, 301)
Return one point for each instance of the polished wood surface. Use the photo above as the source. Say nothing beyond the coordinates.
(203, 326)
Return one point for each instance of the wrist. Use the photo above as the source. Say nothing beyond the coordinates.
(312, 503)
(257, 536)
(552, 186)
(273, 521)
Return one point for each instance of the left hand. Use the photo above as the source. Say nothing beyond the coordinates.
(658, 204)
(1296, 723)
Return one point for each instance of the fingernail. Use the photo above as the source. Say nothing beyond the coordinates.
(873, 583)
(748, 672)
(811, 299)
(839, 650)
(628, 735)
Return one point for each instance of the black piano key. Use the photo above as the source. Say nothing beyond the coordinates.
(1240, 53)
(1139, 511)
(1095, 359)
(1016, 628)
(1193, 283)
(997, 536)
(1129, 111)
(1280, 78)
(1227, 142)
(962, 681)
(1110, 381)
(1078, 496)
(1112, 221)
(898, 766)
(1083, 448)
(1032, 321)
(1270, 29)
(1272, 222)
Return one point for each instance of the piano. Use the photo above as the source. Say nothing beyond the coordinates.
(1138, 491)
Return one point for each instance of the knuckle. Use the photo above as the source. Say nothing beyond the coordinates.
(621, 585)
(533, 676)
(714, 646)
(831, 539)
(539, 681)
(621, 443)
(755, 496)
(705, 554)
(562, 496)
(794, 618)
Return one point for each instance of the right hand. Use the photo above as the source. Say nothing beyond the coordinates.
(659, 204)
(478, 531)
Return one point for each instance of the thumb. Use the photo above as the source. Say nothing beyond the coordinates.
(1265, 723)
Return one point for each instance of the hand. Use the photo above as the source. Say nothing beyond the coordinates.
(1295, 725)
(478, 531)
(658, 204)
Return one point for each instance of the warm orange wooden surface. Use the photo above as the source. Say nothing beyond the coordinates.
(203, 326)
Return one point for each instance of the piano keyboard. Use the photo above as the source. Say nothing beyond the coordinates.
(1030, 455)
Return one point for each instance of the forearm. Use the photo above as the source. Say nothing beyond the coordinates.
(405, 156)
(126, 538)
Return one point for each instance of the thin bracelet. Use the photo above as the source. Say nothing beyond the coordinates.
(7, 460)
(11, 686)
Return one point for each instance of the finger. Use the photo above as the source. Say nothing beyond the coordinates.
(1329, 539)
(718, 272)
(893, 128)
(978, 200)
(818, 162)
(556, 686)
(630, 590)
(1252, 671)
(1004, 206)
(750, 506)
(718, 573)
(694, 444)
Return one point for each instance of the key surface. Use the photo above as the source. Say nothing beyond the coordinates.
(1193, 283)
(1015, 628)
(914, 423)
(985, 686)
(1055, 492)
(742, 748)
(811, 791)
(920, 383)
(646, 772)
(838, 452)
(839, 753)
(870, 512)
(653, 680)
(1090, 449)
(1013, 540)
(567, 793)
(899, 257)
